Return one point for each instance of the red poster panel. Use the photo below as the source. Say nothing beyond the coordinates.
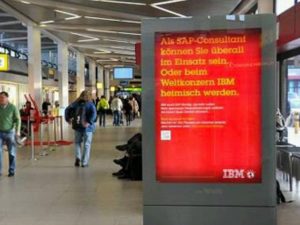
(208, 106)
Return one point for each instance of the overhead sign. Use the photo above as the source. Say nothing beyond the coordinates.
(208, 106)
(3, 62)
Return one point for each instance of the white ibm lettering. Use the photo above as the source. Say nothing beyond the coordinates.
(233, 174)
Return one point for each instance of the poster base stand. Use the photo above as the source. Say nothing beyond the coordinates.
(209, 215)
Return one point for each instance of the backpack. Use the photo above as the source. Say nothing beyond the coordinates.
(79, 116)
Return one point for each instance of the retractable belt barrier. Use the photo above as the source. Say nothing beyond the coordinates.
(35, 123)
(55, 131)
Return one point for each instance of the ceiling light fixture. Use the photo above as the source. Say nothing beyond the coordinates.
(103, 52)
(111, 19)
(107, 60)
(131, 21)
(25, 2)
(73, 16)
(47, 22)
(158, 4)
(128, 33)
(120, 2)
(128, 61)
(113, 32)
(122, 47)
(89, 38)
(119, 41)
(128, 53)
(102, 31)
(101, 18)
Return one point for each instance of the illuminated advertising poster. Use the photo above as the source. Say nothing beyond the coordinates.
(208, 106)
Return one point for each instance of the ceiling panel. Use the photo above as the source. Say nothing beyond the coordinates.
(94, 26)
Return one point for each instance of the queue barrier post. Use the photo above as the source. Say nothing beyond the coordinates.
(32, 142)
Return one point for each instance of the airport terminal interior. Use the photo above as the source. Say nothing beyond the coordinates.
(51, 50)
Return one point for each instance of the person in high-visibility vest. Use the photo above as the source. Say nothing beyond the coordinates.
(102, 107)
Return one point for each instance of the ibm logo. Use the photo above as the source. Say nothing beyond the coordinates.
(238, 174)
(1, 62)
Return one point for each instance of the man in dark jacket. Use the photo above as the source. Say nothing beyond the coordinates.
(82, 115)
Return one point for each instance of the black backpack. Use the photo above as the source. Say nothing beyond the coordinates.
(79, 116)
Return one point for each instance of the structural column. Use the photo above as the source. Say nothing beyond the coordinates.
(63, 78)
(92, 77)
(80, 85)
(34, 64)
(100, 88)
(265, 6)
(106, 83)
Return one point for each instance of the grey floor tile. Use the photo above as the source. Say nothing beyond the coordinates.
(51, 191)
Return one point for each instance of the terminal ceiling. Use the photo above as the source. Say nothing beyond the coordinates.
(104, 30)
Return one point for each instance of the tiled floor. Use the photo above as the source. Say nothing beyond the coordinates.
(288, 214)
(50, 191)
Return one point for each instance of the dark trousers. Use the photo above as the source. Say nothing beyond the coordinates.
(102, 118)
(128, 118)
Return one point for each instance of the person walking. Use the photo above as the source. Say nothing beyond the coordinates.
(10, 127)
(116, 107)
(82, 114)
(128, 111)
(135, 107)
(102, 108)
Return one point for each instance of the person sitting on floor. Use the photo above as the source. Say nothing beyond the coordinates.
(131, 163)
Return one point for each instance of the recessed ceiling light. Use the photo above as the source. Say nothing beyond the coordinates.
(102, 31)
(119, 2)
(129, 61)
(73, 16)
(89, 38)
(103, 52)
(128, 33)
(25, 2)
(101, 18)
(131, 21)
(113, 32)
(157, 5)
(107, 60)
(47, 21)
(111, 19)
(122, 47)
(119, 41)
(168, 2)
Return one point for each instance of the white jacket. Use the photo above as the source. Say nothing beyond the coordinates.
(116, 104)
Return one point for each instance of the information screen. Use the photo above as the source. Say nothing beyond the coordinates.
(123, 73)
(208, 106)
